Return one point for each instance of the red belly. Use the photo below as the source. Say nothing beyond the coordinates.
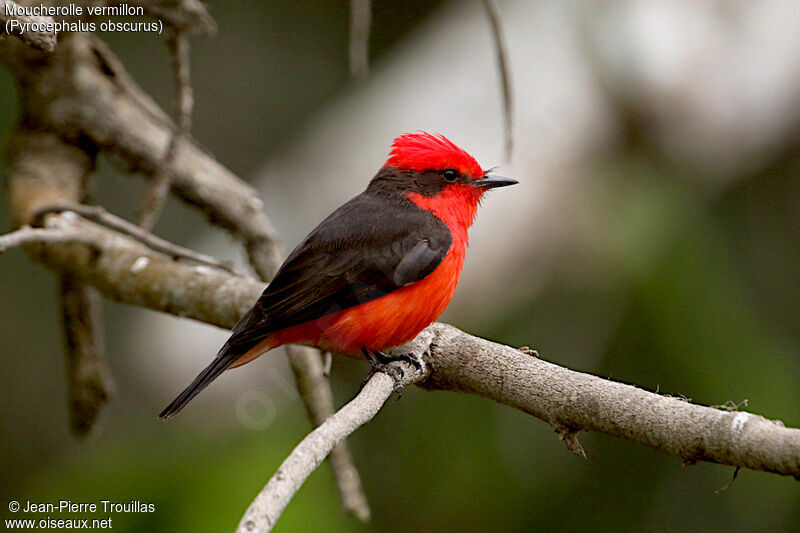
(379, 324)
(396, 318)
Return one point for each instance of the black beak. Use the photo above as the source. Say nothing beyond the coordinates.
(490, 182)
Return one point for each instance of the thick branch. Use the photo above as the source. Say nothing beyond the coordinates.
(45, 168)
(44, 171)
(569, 399)
(126, 271)
(90, 385)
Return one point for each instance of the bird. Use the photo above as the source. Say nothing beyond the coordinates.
(376, 271)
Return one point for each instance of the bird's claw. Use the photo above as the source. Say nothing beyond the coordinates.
(380, 362)
(407, 357)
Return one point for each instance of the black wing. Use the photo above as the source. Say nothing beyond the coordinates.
(369, 247)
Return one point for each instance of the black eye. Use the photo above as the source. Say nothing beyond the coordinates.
(450, 174)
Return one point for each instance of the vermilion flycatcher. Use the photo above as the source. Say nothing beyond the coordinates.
(374, 273)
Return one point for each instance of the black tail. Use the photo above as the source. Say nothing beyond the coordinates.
(211, 372)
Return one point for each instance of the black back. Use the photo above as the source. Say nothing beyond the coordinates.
(374, 244)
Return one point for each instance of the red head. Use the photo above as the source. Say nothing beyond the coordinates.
(438, 176)
(423, 151)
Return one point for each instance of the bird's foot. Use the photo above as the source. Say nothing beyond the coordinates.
(407, 357)
(380, 362)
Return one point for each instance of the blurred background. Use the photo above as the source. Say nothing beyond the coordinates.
(653, 239)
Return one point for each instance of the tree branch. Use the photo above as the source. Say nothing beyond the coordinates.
(312, 384)
(99, 214)
(28, 235)
(568, 399)
(157, 195)
(265, 510)
(43, 167)
(89, 378)
(45, 171)
(126, 271)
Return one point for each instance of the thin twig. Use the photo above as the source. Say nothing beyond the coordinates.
(99, 214)
(29, 235)
(505, 75)
(312, 384)
(267, 507)
(360, 22)
(162, 179)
